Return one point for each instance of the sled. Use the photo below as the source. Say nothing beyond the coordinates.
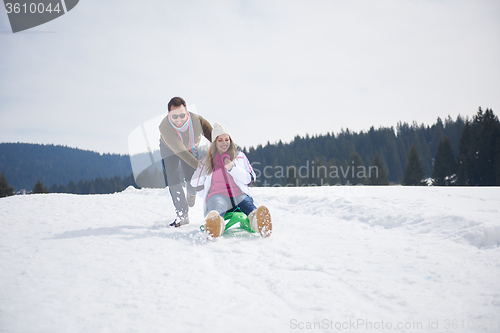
(233, 218)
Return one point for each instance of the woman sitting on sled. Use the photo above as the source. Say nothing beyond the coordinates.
(222, 180)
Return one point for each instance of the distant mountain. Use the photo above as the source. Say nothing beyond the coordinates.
(25, 163)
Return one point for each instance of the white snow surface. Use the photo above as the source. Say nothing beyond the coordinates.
(341, 258)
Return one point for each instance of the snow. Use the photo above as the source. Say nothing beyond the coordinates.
(341, 258)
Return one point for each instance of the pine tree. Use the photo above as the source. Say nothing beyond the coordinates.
(478, 150)
(466, 157)
(72, 188)
(39, 188)
(445, 166)
(378, 175)
(414, 171)
(489, 127)
(497, 162)
(320, 171)
(357, 172)
(334, 172)
(5, 189)
(53, 189)
(91, 188)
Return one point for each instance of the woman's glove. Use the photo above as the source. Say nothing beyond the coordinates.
(227, 162)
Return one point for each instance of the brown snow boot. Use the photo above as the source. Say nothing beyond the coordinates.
(260, 221)
(214, 224)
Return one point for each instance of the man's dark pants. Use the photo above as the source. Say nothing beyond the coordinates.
(173, 165)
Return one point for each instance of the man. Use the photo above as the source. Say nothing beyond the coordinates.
(180, 135)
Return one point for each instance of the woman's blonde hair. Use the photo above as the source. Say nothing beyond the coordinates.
(232, 151)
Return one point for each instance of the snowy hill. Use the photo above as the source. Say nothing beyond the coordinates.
(340, 258)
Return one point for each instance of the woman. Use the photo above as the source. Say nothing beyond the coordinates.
(222, 180)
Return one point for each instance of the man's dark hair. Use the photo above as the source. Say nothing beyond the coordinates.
(176, 101)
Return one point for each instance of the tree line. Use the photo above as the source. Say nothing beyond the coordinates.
(453, 152)
(97, 186)
(477, 161)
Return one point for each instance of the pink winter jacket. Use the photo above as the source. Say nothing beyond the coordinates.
(242, 174)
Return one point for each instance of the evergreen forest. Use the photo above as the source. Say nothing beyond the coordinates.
(24, 164)
(469, 155)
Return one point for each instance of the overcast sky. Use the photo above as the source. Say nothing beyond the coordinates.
(268, 70)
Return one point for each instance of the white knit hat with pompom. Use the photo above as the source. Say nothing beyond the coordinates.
(219, 129)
